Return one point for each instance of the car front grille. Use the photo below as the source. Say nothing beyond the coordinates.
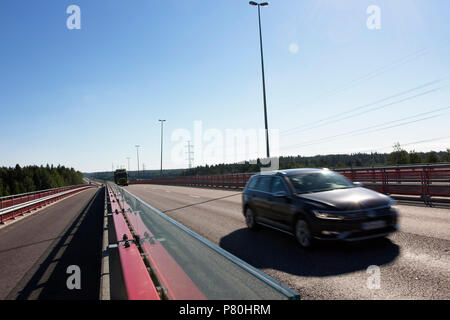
(369, 213)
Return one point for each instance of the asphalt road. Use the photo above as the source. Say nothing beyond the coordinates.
(414, 262)
(36, 251)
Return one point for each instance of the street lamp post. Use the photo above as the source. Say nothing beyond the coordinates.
(162, 130)
(137, 152)
(259, 5)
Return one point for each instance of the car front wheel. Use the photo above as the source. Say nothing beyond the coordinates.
(250, 219)
(303, 234)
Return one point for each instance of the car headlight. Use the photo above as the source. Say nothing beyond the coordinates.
(327, 215)
(393, 207)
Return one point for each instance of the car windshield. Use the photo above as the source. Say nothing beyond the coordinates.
(319, 181)
(122, 175)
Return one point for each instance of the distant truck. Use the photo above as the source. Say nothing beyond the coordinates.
(121, 177)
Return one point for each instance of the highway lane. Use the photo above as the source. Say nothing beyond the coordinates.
(25, 244)
(414, 262)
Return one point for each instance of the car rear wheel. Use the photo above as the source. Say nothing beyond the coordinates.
(250, 219)
(303, 234)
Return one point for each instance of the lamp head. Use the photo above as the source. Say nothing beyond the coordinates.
(253, 3)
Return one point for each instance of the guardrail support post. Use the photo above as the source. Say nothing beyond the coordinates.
(426, 197)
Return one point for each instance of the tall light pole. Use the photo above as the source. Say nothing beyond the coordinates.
(162, 130)
(259, 5)
(137, 151)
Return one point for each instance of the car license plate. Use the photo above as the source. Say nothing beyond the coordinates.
(373, 225)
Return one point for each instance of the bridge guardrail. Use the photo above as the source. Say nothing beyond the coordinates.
(177, 284)
(423, 181)
(138, 283)
(187, 266)
(11, 212)
(11, 200)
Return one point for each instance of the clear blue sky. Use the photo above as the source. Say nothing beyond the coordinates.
(84, 98)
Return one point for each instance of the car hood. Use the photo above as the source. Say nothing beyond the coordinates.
(348, 199)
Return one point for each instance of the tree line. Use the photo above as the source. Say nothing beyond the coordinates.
(33, 178)
(333, 161)
(134, 175)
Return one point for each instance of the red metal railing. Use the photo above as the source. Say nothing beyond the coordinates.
(13, 200)
(138, 283)
(422, 180)
(171, 276)
(216, 181)
(49, 196)
(177, 283)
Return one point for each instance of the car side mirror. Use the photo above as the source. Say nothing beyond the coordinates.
(358, 184)
(280, 194)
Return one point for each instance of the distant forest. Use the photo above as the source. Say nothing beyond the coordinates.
(32, 178)
(134, 175)
(333, 161)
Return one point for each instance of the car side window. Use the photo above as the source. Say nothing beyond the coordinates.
(252, 183)
(278, 185)
(264, 184)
